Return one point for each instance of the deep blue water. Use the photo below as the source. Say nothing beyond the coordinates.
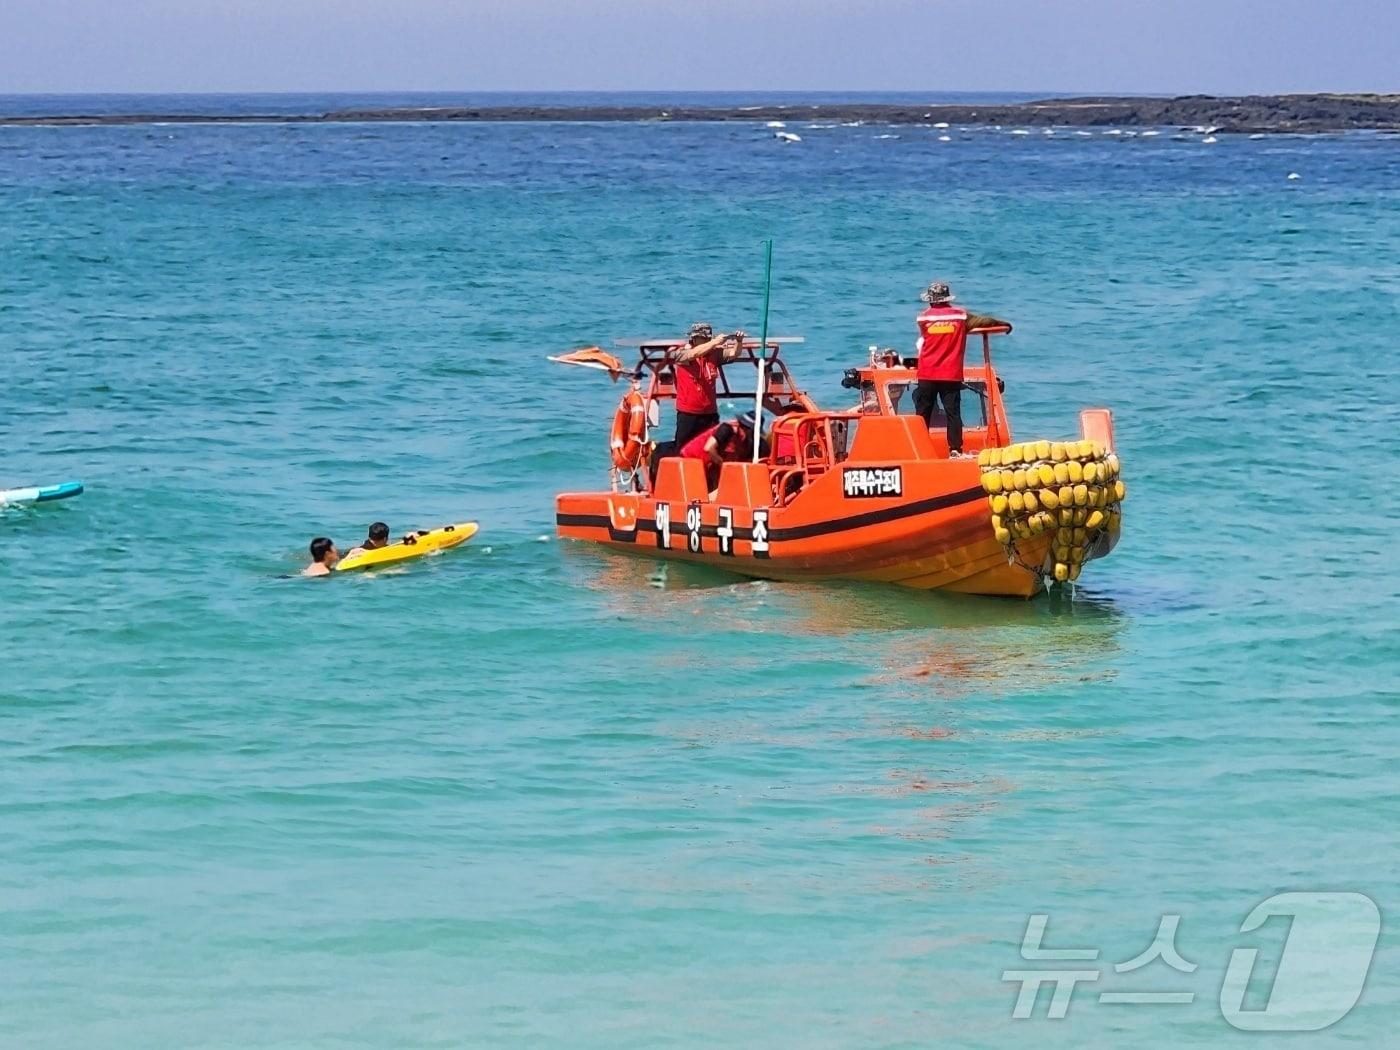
(530, 795)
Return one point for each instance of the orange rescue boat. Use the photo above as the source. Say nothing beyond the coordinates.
(867, 494)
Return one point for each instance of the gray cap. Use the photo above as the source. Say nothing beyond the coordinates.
(702, 328)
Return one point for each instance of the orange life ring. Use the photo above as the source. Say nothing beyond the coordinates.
(629, 431)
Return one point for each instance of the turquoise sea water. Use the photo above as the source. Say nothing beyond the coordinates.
(530, 795)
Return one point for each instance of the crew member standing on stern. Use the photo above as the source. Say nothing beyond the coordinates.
(943, 330)
(697, 369)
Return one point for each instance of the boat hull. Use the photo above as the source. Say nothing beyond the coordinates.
(936, 534)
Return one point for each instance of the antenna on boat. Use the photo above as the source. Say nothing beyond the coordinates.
(762, 349)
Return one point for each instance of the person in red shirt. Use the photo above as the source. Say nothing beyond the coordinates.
(728, 442)
(697, 370)
(943, 330)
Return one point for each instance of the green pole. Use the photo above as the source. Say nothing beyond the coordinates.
(762, 348)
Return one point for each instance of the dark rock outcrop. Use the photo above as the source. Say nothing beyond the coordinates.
(1245, 113)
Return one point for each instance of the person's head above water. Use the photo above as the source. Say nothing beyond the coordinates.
(378, 535)
(323, 557)
(937, 294)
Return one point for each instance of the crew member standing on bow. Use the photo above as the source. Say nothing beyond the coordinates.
(697, 369)
(943, 330)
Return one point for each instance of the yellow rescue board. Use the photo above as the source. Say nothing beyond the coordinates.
(437, 540)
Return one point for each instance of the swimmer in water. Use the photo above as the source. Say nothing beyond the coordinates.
(378, 538)
(323, 557)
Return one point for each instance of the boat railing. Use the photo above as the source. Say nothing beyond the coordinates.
(657, 357)
(803, 447)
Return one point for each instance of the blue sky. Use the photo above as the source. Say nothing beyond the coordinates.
(1175, 46)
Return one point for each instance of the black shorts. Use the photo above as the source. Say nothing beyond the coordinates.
(689, 424)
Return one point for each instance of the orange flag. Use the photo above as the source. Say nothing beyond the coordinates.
(594, 357)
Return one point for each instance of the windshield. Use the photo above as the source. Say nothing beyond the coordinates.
(974, 403)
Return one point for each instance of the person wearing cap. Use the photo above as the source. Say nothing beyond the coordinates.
(727, 442)
(697, 370)
(943, 330)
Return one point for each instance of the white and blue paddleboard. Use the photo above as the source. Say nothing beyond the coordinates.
(41, 494)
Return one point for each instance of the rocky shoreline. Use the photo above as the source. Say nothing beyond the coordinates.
(1276, 114)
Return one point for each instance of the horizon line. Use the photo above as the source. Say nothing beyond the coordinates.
(1048, 92)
